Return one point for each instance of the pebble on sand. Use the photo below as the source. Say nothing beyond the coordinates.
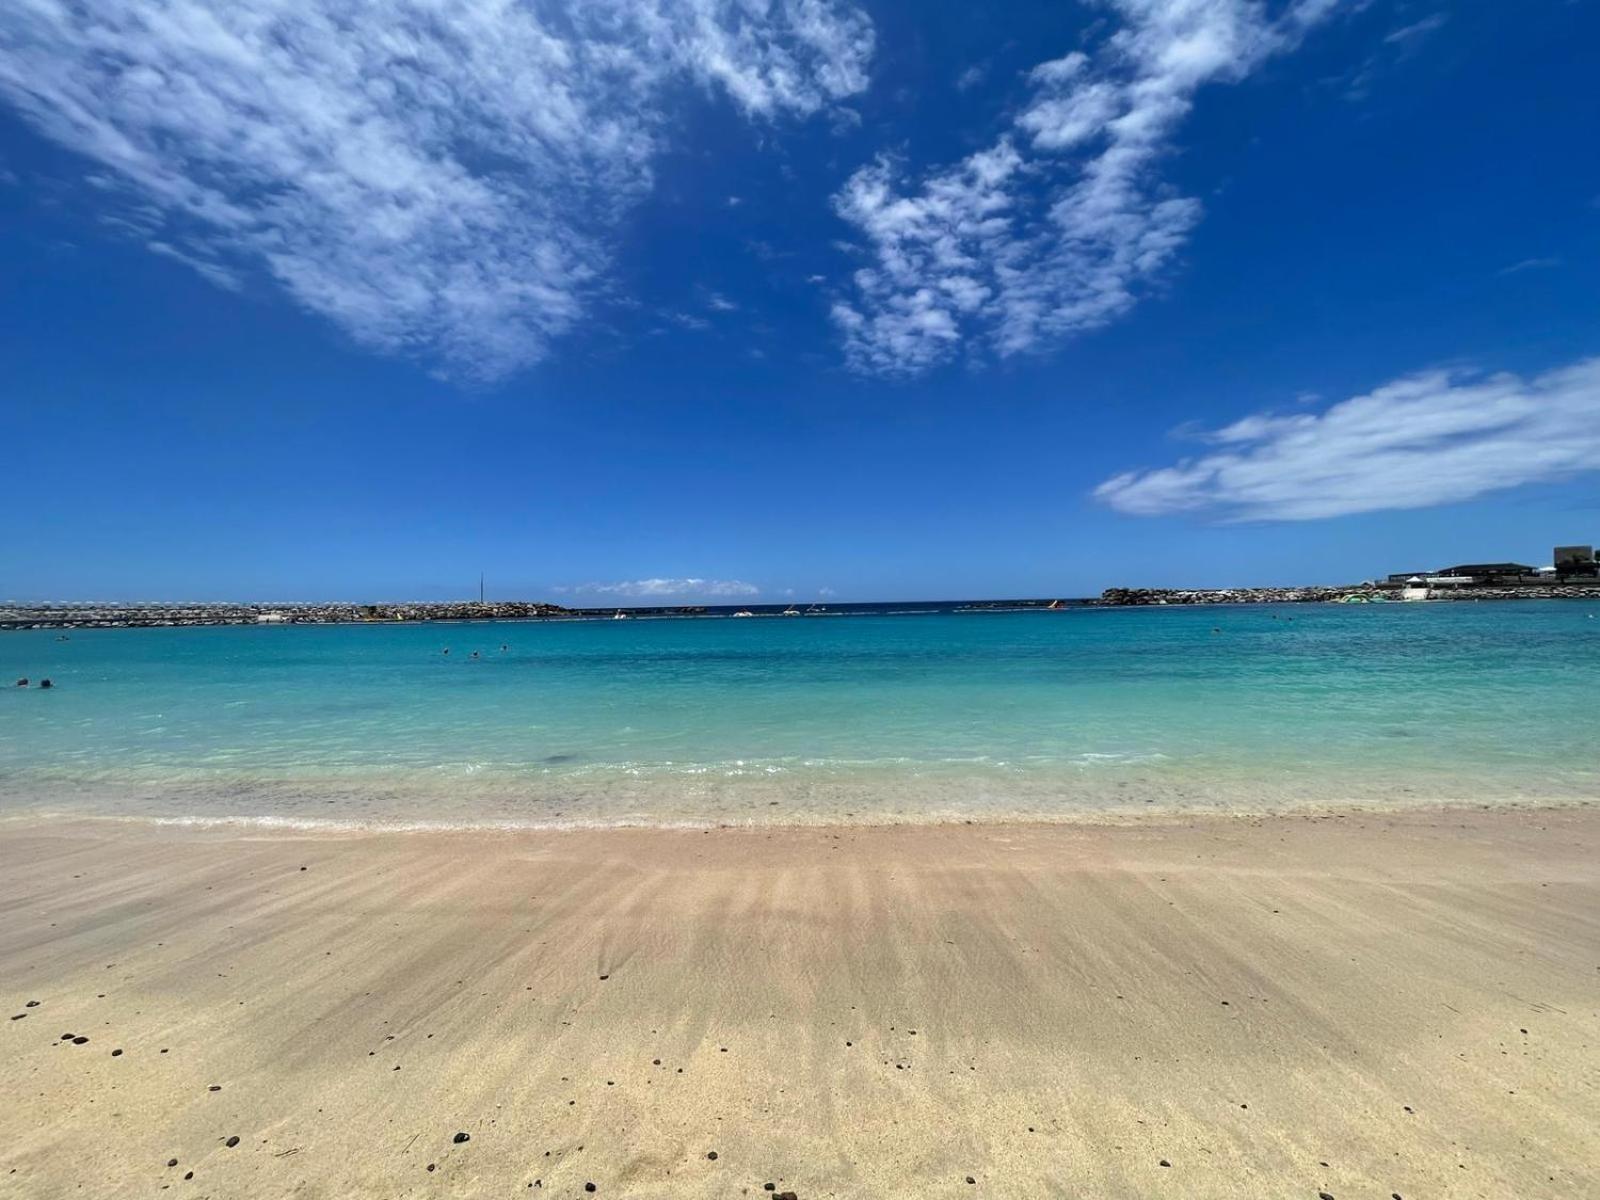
(79, 1041)
(116, 1053)
(588, 1187)
(172, 1162)
(232, 1142)
(712, 1155)
(461, 1137)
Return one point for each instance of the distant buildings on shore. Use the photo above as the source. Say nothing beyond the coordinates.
(1568, 564)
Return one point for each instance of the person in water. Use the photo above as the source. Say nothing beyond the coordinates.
(45, 683)
(23, 682)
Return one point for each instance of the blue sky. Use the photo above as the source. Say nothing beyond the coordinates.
(699, 299)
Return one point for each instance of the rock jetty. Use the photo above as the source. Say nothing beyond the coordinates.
(1339, 595)
(121, 616)
(1266, 595)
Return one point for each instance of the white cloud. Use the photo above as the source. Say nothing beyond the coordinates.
(439, 178)
(1529, 264)
(1056, 227)
(644, 589)
(1434, 438)
(717, 302)
(1418, 29)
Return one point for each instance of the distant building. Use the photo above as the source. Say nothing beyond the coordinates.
(1575, 560)
(1504, 572)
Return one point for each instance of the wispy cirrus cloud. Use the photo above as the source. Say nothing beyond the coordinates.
(1530, 264)
(648, 589)
(439, 178)
(1058, 226)
(1433, 438)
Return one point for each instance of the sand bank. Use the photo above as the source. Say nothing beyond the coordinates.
(1361, 1006)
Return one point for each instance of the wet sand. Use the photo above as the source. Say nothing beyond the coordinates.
(1358, 1006)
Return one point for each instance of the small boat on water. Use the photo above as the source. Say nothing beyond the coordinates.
(619, 615)
(791, 611)
(744, 612)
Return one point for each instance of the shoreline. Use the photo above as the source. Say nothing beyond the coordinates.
(1357, 1004)
(1160, 815)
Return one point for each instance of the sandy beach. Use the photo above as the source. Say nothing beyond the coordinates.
(1348, 1006)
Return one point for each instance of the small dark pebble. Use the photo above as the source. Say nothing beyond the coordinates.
(302, 868)
(786, 1196)
(461, 1137)
(1324, 1196)
(232, 1142)
(603, 978)
(80, 1041)
(19, 1016)
(769, 1187)
(655, 1062)
(1165, 1163)
(66, 1037)
(970, 1179)
(31, 1004)
(116, 1054)
(172, 1162)
(188, 1174)
(431, 1166)
(588, 1187)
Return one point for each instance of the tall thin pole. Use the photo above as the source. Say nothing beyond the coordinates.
(480, 587)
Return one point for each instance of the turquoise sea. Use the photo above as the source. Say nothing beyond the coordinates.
(813, 719)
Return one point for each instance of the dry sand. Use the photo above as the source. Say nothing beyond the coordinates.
(1359, 1006)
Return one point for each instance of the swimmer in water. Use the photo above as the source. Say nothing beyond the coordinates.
(23, 682)
(45, 683)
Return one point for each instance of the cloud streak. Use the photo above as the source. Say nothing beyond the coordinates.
(1434, 438)
(1062, 223)
(646, 589)
(439, 178)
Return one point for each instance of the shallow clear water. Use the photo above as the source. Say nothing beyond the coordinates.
(869, 718)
